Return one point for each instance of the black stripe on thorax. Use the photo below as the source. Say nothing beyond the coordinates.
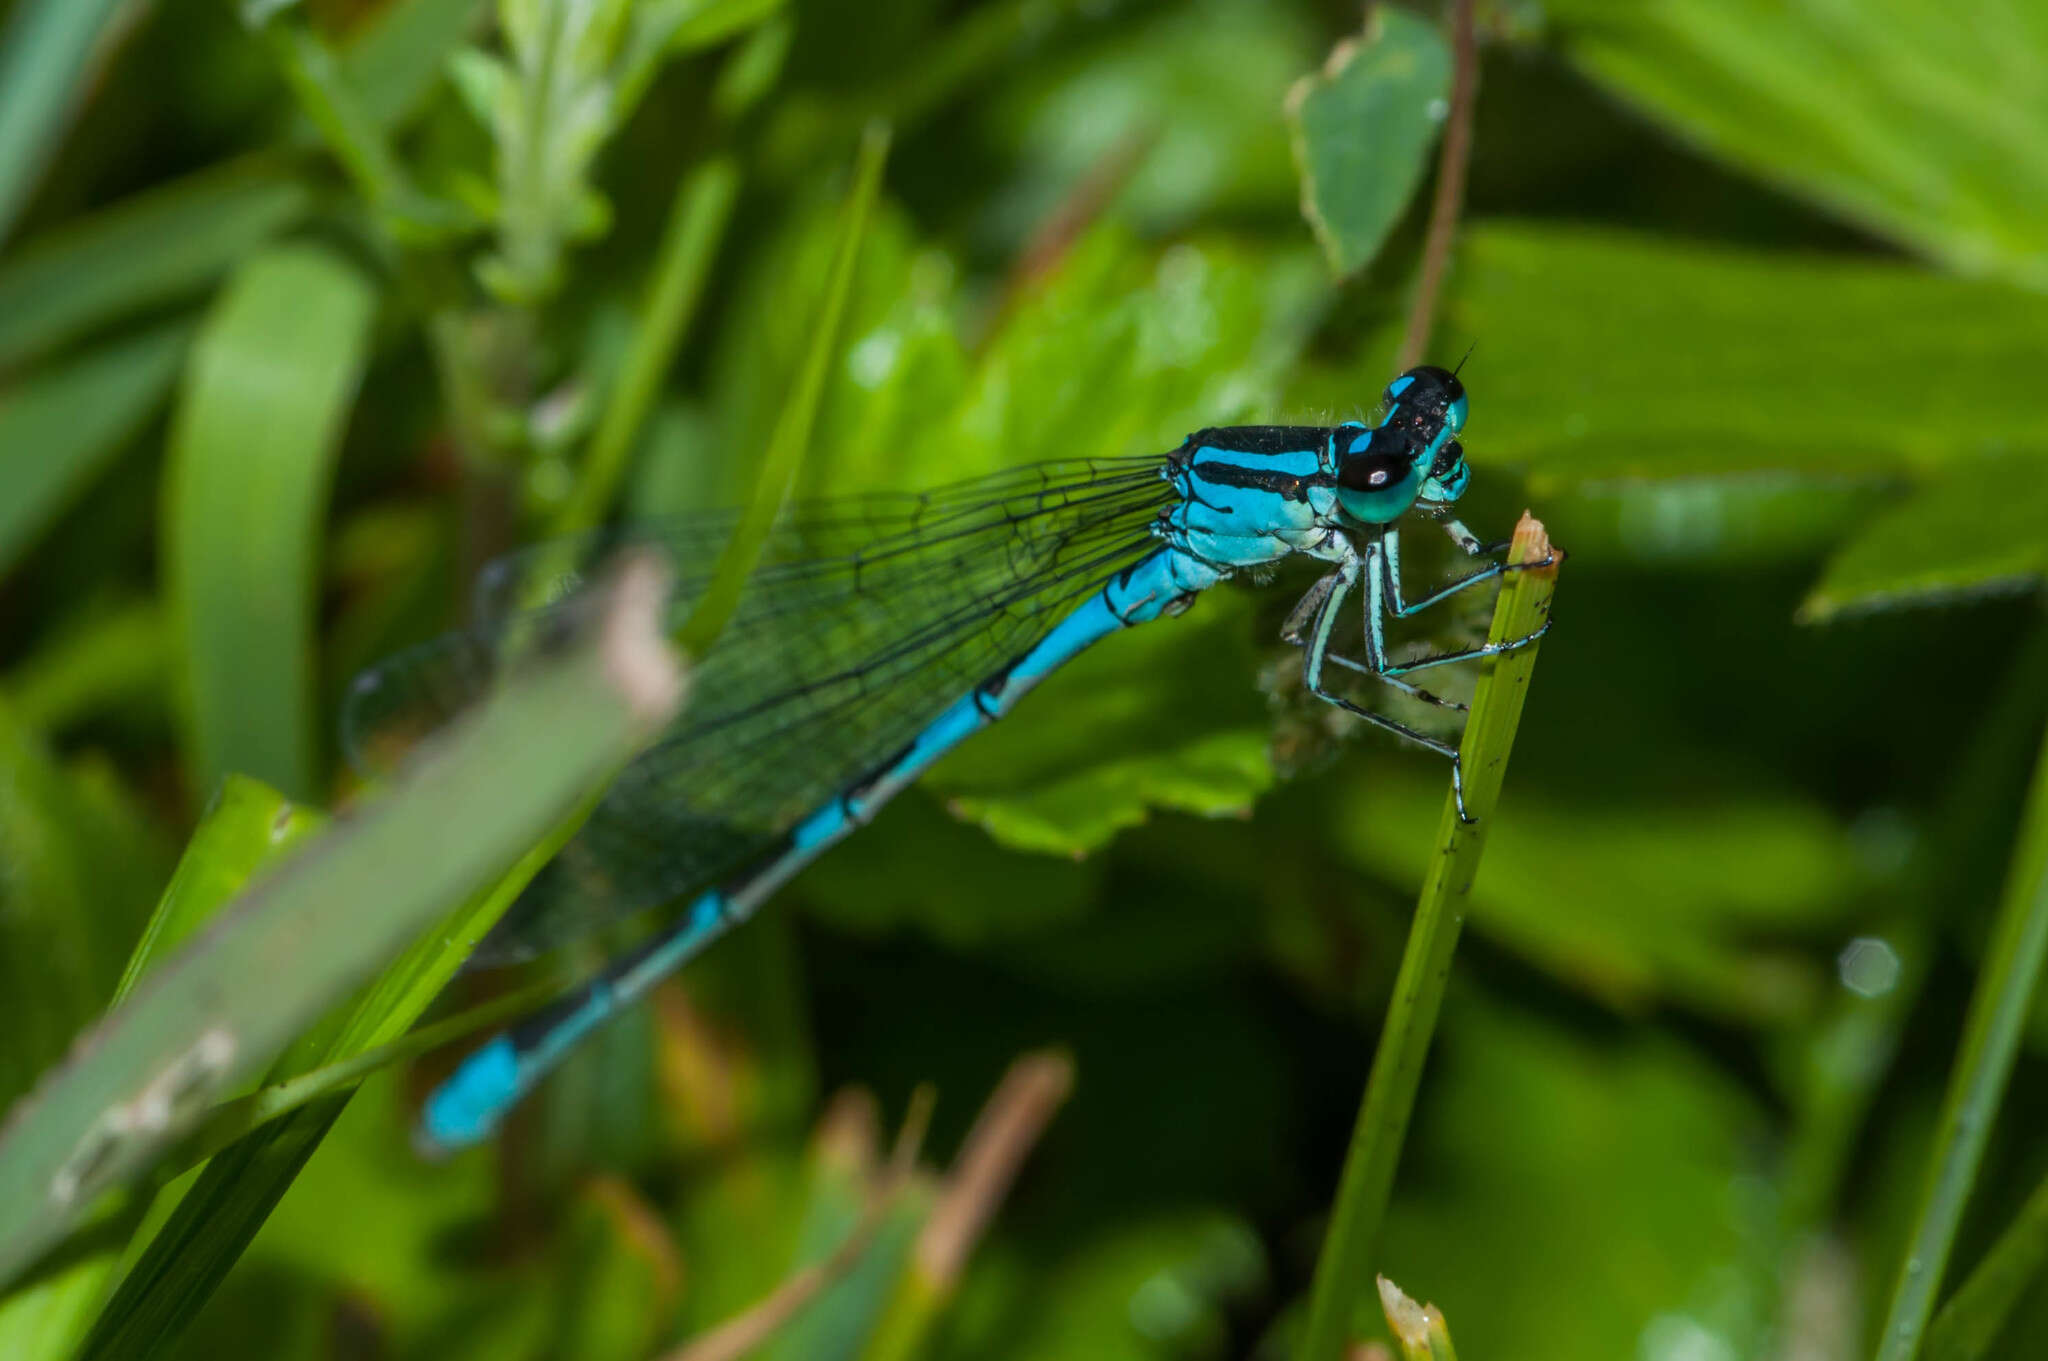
(1260, 439)
(1287, 486)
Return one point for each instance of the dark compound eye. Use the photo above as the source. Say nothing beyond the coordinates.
(1373, 472)
(1447, 458)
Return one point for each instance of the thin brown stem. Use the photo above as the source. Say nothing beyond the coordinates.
(1452, 163)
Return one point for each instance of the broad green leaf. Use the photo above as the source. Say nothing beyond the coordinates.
(265, 399)
(1215, 775)
(1123, 351)
(1570, 1196)
(1612, 355)
(160, 246)
(1723, 519)
(45, 49)
(60, 426)
(505, 782)
(1717, 874)
(1362, 130)
(1910, 118)
(1169, 717)
(1179, 110)
(1976, 531)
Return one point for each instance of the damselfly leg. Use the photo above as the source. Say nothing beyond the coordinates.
(1314, 620)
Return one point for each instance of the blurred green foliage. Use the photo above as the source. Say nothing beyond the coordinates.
(309, 308)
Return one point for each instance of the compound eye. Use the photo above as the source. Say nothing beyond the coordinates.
(1373, 472)
(1447, 458)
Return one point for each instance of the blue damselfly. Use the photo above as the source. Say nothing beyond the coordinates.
(881, 631)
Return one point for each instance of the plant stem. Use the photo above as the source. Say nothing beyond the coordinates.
(231, 1120)
(1452, 164)
(1344, 1274)
(1998, 1011)
(696, 222)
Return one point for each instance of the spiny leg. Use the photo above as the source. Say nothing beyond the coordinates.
(1390, 549)
(1309, 609)
(1466, 654)
(1330, 592)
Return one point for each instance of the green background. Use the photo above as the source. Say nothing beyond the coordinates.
(308, 309)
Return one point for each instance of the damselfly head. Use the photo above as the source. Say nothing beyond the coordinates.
(1413, 456)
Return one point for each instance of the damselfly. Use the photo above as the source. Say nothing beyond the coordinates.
(880, 632)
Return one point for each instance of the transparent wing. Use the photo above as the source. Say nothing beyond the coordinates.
(866, 617)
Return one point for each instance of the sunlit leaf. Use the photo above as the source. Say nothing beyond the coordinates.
(1906, 117)
(1977, 531)
(1760, 360)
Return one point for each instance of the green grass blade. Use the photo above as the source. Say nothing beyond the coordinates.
(44, 52)
(284, 953)
(1970, 1322)
(155, 248)
(61, 426)
(266, 397)
(785, 453)
(1998, 1013)
(696, 224)
(248, 827)
(213, 1223)
(1344, 1274)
